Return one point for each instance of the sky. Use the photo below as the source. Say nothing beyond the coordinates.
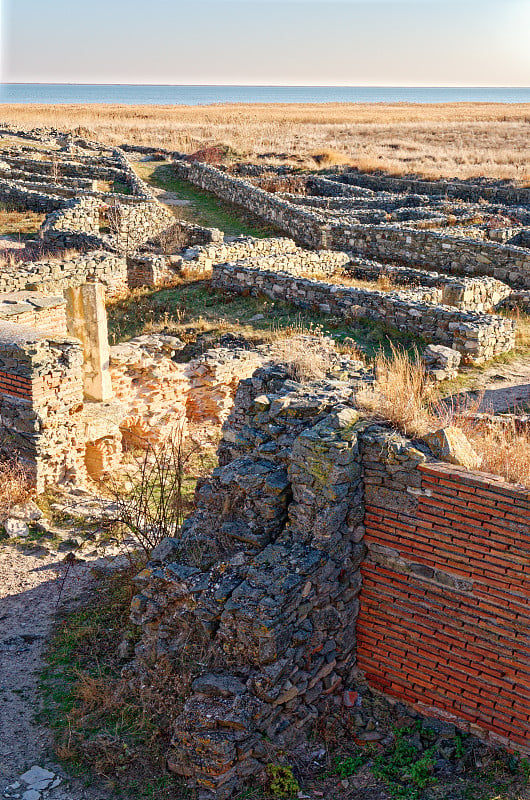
(267, 42)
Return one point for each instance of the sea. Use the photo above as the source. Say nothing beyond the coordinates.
(71, 93)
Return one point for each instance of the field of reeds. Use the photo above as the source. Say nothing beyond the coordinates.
(440, 140)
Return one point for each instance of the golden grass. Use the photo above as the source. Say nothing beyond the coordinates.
(452, 140)
(13, 222)
(403, 396)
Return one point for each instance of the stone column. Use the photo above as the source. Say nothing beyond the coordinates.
(87, 321)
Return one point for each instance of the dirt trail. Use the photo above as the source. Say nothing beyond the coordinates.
(29, 591)
(506, 387)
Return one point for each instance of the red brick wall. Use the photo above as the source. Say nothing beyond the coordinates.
(15, 385)
(444, 623)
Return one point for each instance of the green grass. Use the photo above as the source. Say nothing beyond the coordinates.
(204, 208)
(192, 308)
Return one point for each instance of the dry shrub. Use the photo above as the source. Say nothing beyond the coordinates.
(16, 486)
(385, 282)
(330, 158)
(306, 356)
(270, 182)
(403, 396)
(172, 239)
(400, 393)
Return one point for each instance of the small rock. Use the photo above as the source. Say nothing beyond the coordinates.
(350, 698)
(37, 775)
(451, 445)
(29, 512)
(16, 528)
(31, 794)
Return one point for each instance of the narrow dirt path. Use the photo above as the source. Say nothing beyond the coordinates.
(505, 387)
(29, 592)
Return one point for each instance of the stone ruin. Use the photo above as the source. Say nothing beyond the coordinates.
(267, 603)
(295, 575)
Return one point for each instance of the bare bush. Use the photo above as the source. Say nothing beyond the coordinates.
(151, 503)
(16, 486)
(122, 228)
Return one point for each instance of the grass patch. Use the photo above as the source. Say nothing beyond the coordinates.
(192, 308)
(204, 208)
(19, 223)
(101, 727)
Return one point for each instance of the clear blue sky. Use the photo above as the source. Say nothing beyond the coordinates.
(306, 42)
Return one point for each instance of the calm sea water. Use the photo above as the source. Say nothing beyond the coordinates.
(198, 95)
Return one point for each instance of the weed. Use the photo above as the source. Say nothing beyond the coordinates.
(99, 723)
(347, 766)
(403, 770)
(282, 783)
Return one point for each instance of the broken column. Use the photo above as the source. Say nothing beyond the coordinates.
(87, 321)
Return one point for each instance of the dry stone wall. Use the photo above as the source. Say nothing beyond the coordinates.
(385, 242)
(477, 337)
(453, 188)
(482, 294)
(55, 276)
(265, 582)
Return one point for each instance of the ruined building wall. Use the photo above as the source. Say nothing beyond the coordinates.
(41, 385)
(55, 276)
(445, 620)
(386, 242)
(262, 600)
(463, 190)
(478, 337)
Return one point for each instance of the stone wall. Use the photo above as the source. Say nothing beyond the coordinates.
(35, 310)
(385, 242)
(444, 620)
(157, 393)
(55, 276)
(494, 192)
(477, 337)
(41, 393)
(21, 199)
(433, 250)
(482, 295)
(304, 226)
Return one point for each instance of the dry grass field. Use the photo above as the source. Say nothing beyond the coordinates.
(444, 140)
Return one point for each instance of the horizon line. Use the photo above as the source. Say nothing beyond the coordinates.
(272, 85)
